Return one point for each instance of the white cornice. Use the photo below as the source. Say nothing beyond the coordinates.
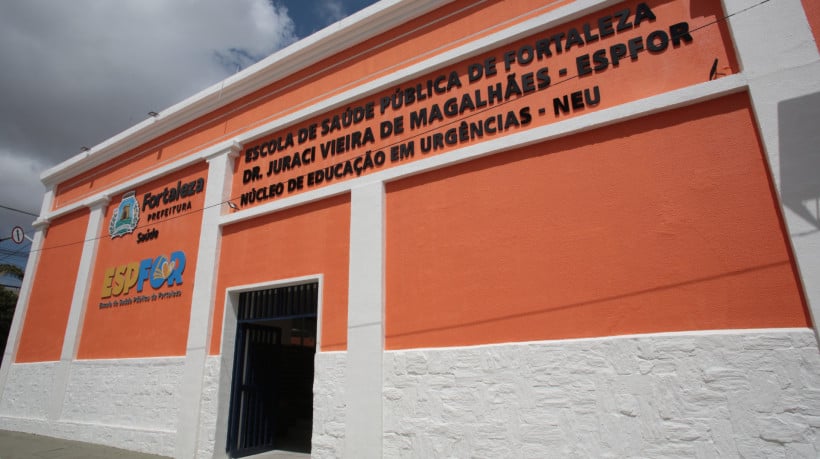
(365, 24)
(551, 18)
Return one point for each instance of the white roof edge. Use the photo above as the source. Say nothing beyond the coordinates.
(354, 29)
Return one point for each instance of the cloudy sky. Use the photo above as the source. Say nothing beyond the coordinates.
(74, 73)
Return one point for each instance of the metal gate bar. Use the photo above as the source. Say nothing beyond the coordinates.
(251, 423)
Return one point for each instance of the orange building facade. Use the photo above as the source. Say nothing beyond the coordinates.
(449, 229)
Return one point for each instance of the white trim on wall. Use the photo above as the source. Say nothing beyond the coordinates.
(220, 170)
(365, 322)
(655, 104)
(15, 332)
(541, 22)
(782, 73)
(79, 302)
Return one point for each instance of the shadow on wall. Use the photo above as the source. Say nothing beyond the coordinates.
(800, 157)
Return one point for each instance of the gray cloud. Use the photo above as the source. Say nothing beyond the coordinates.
(78, 72)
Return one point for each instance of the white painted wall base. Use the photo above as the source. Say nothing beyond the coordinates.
(329, 405)
(129, 403)
(712, 394)
(27, 392)
(744, 393)
(209, 408)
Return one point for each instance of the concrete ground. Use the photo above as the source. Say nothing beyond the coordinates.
(16, 445)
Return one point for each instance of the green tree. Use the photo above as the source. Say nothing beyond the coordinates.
(11, 270)
(8, 301)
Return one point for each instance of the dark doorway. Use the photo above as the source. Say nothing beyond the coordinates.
(272, 387)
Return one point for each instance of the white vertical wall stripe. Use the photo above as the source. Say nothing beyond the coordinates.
(782, 72)
(220, 169)
(365, 323)
(13, 340)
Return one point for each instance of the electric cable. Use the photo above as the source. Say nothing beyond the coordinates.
(18, 210)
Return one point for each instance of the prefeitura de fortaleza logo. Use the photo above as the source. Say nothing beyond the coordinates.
(125, 217)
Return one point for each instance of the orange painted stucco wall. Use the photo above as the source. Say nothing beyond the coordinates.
(50, 301)
(306, 240)
(677, 65)
(120, 325)
(812, 8)
(663, 223)
(435, 32)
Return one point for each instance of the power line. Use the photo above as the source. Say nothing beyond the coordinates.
(18, 210)
(19, 253)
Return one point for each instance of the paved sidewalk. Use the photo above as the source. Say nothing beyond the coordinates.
(16, 445)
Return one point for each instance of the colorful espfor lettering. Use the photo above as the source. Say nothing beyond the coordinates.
(159, 271)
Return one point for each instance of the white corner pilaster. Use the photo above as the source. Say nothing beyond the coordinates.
(365, 323)
(84, 272)
(779, 58)
(217, 191)
(13, 341)
(74, 324)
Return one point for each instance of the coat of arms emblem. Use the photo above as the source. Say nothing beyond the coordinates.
(126, 216)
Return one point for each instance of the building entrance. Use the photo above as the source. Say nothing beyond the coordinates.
(272, 386)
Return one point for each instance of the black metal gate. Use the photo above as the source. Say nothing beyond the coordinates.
(271, 393)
